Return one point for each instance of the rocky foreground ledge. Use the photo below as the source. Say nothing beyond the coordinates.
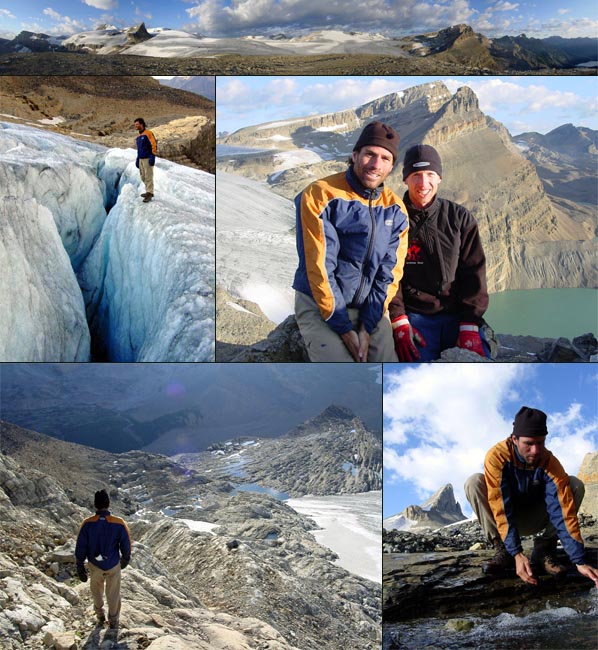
(285, 344)
(439, 574)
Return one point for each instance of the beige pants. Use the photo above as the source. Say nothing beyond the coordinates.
(323, 344)
(98, 579)
(147, 174)
(529, 521)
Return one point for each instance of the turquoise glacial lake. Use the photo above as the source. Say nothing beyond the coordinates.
(547, 313)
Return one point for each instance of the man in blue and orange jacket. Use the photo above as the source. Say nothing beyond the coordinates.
(351, 242)
(146, 157)
(524, 490)
(104, 540)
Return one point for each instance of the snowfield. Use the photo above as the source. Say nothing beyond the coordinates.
(256, 254)
(78, 246)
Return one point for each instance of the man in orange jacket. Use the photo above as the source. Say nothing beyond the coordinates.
(524, 490)
(146, 157)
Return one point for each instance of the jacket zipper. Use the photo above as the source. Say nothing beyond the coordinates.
(368, 254)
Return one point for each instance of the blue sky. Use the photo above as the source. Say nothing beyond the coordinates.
(521, 103)
(241, 17)
(440, 419)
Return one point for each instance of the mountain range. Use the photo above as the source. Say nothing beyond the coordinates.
(457, 47)
(175, 408)
(533, 196)
(212, 567)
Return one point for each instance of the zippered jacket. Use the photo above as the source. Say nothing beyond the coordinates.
(103, 539)
(512, 483)
(351, 243)
(146, 144)
(445, 268)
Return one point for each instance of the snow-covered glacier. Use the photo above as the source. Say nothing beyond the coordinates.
(89, 271)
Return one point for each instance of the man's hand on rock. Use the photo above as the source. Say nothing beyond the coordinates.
(524, 569)
(589, 572)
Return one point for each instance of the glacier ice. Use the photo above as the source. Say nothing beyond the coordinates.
(77, 238)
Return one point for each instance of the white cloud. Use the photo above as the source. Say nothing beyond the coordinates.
(504, 6)
(7, 13)
(65, 25)
(562, 12)
(102, 4)
(257, 16)
(143, 14)
(440, 420)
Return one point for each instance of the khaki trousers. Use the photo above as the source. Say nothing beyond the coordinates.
(529, 520)
(323, 344)
(98, 579)
(147, 174)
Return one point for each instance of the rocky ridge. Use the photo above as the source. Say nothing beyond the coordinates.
(332, 453)
(439, 510)
(250, 576)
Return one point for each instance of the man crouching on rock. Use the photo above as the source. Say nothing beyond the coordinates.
(146, 157)
(524, 490)
(105, 541)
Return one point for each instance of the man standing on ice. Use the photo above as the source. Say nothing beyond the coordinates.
(351, 242)
(146, 157)
(524, 490)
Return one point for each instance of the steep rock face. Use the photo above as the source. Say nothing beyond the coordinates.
(330, 456)
(439, 510)
(588, 473)
(530, 237)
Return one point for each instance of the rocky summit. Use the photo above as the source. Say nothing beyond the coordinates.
(211, 567)
(439, 510)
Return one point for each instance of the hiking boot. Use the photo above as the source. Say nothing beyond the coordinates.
(501, 562)
(148, 197)
(101, 619)
(544, 556)
(144, 194)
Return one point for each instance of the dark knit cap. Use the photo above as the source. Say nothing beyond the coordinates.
(379, 135)
(530, 423)
(421, 158)
(101, 500)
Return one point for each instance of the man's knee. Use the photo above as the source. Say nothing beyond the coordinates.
(475, 486)
(578, 488)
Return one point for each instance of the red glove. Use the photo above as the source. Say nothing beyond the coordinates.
(405, 338)
(469, 338)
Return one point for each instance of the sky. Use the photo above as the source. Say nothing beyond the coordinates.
(529, 103)
(242, 17)
(441, 419)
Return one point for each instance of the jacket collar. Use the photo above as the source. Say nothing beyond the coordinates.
(356, 185)
(430, 209)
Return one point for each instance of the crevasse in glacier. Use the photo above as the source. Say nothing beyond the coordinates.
(77, 240)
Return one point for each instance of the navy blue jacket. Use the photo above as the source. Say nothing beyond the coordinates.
(351, 243)
(102, 540)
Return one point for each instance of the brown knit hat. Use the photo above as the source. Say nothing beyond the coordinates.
(379, 135)
(530, 423)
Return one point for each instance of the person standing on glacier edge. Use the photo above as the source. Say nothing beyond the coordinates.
(104, 540)
(146, 157)
(524, 490)
(443, 295)
(351, 242)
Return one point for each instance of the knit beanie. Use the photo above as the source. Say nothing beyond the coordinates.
(101, 500)
(380, 135)
(421, 158)
(530, 423)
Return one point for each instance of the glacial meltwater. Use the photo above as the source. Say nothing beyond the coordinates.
(549, 313)
(569, 623)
